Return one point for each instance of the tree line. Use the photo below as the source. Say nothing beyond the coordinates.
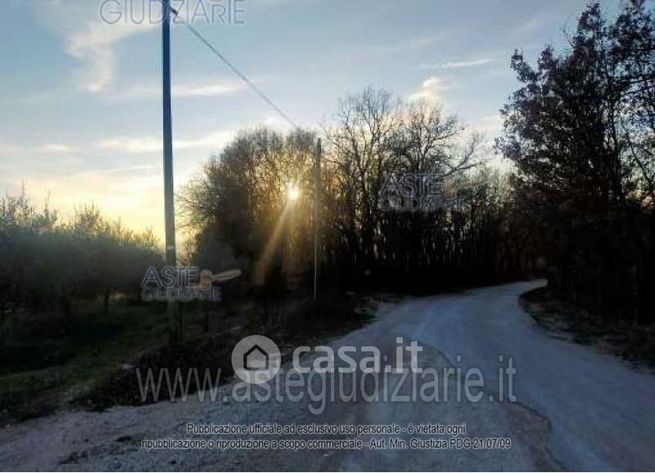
(239, 213)
(48, 264)
(581, 133)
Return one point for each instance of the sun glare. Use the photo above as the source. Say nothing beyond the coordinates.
(293, 192)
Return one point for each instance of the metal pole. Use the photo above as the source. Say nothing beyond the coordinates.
(317, 191)
(169, 192)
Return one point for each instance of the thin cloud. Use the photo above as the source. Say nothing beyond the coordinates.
(206, 90)
(93, 46)
(90, 40)
(458, 64)
(151, 144)
(56, 148)
(431, 90)
(407, 45)
(152, 90)
(148, 144)
(9, 149)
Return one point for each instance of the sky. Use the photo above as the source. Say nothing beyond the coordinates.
(80, 108)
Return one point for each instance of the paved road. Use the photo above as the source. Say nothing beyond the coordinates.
(575, 408)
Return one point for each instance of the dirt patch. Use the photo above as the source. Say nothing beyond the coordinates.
(126, 386)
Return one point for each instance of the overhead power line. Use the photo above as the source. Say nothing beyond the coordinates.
(233, 68)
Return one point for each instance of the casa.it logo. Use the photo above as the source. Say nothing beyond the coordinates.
(256, 359)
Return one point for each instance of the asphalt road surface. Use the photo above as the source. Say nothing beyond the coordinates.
(575, 408)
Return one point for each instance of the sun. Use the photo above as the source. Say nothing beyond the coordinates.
(293, 193)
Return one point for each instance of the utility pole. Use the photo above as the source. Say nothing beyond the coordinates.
(169, 203)
(317, 192)
(169, 192)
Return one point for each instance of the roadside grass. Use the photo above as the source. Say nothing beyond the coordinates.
(89, 361)
(40, 373)
(289, 322)
(565, 321)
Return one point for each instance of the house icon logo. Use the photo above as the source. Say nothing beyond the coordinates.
(256, 359)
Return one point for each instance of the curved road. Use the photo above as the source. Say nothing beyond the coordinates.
(575, 409)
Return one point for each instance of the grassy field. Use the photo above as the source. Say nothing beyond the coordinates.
(88, 361)
(54, 362)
